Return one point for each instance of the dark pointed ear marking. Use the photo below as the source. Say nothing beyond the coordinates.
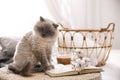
(55, 25)
(42, 19)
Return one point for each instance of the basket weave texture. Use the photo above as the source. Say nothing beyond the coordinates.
(95, 43)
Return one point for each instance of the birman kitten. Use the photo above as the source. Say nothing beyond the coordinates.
(35, 47)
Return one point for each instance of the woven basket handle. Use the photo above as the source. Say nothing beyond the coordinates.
(63, 26)
(111, 26)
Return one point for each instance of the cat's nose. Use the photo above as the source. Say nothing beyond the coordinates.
(43, 34)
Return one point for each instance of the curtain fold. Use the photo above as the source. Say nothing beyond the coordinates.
(59, 10)
(76, 13)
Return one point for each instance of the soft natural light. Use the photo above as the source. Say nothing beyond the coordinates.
(19, 16)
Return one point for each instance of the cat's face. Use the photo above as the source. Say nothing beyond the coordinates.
(46, 28)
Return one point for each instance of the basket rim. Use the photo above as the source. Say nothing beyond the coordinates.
(90, 30)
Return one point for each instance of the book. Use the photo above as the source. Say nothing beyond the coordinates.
(66, 70)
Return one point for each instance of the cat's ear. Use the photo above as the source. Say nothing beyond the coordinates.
(42, 19)
(55, 25)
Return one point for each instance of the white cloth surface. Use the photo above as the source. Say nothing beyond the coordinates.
(112, 67)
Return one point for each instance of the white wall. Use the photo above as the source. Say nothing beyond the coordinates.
(117, 28)
(111, 13)
(19, 16)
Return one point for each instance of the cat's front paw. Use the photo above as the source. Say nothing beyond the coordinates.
(13, 69)
(50, 67)
(45, 68)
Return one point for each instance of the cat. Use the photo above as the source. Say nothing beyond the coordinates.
(35, 47)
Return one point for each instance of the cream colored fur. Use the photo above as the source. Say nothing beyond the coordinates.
(34, 48)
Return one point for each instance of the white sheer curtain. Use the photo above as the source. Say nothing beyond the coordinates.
(81, 13)
(86, 14)
(60, 10)
(75, 13)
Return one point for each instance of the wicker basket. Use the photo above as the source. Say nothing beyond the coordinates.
(95, 43)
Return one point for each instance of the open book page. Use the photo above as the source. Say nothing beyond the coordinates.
(63, 70)
(90, 69)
